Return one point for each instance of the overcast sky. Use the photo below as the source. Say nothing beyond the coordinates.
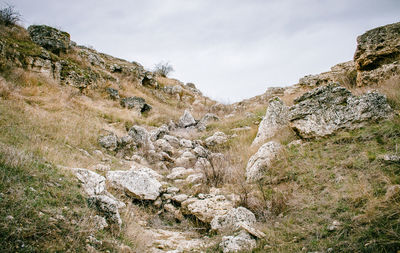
(231, 49)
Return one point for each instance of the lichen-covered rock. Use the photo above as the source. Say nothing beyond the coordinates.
(237, 243)
(140, 136)
(139, 183)
(377, 56)
(93, 183)
(342, 72)
(106, 205)
(113, 93)
(262, 160)
(179, 173)
(159, 133)
(137, 103)
(186, 120)
(205, 120)
(164, 146)
(207, 208)
(149, 80)
(217, 138)
(187, 160)
(275, 119)
(109, 141)
(378, 46)
(326, 109)
(50, 38)
(232, 220)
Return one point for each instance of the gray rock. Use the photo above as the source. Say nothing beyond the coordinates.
(199, 151)
(138, 183)
(149, 80)
(186, 120)
(275, 119)
(390, 158)
(172, 140)
(49, 38)
(164, 146)
(327, 109)
(137, 103)
(262, 160)
(140, 136)
(180, 198)
(107, 206)
(109, 141)
(232, 220)
(187, 160)
(186, 143)
(179, 173)
(205, 120)
(113, 93)
(238, 243)
(206, 208)
(93, 183)
(217, 138)
(159, 133)
(195, 178)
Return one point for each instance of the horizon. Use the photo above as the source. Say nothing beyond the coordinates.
(230, 50)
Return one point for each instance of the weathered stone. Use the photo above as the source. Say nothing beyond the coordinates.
(205, 120)
(149, 80)
(92, 183)
(159, 133)
(99, 222)
(137, 103)
(164, 146)
(180, 198)
(327, 109)
(186, 143)
(390, 158)
(137, 183)
(199, 151)
(393, 193)
(232, 220)
(179, 173)
(187, 160)
(262, 160)
(107, 206)
(140, 136)
(378, 46)
(113, 93)
(207, 208)
(275, 119)
(50, 38)
(109, 141)
(217, 138)
(195, 178)
(172, 140)
(239, 243)
(186, 120)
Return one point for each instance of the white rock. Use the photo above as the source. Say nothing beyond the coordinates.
(195, 178)
(239, 243)
(179, 173)
(209, 207)
(232, 220)
(186, 143)
(216, 139)
(262, 160)
(275, 119)
(180, 198)
(139, 184)
(92, 182)
(187, 120)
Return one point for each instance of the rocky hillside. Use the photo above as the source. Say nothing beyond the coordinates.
(98, 154)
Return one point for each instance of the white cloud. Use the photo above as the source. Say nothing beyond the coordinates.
(231, 49)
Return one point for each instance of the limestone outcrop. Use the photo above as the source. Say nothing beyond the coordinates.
(275, 119)
(327, 109)
(50, 38)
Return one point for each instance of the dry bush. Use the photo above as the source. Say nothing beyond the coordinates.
(163, 69)
(9, 16)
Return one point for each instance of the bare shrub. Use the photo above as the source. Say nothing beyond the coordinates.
(9, 16)
(163, 69)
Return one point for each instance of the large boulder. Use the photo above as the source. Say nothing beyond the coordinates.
(376, 49)
(241, 242)
(326, 109)
(49, 38)
(206, 207)
(139, 183)
(233, 220)
(275, 119)
(136, 103)
(149, 80)
(262, 160)
(186, 120)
